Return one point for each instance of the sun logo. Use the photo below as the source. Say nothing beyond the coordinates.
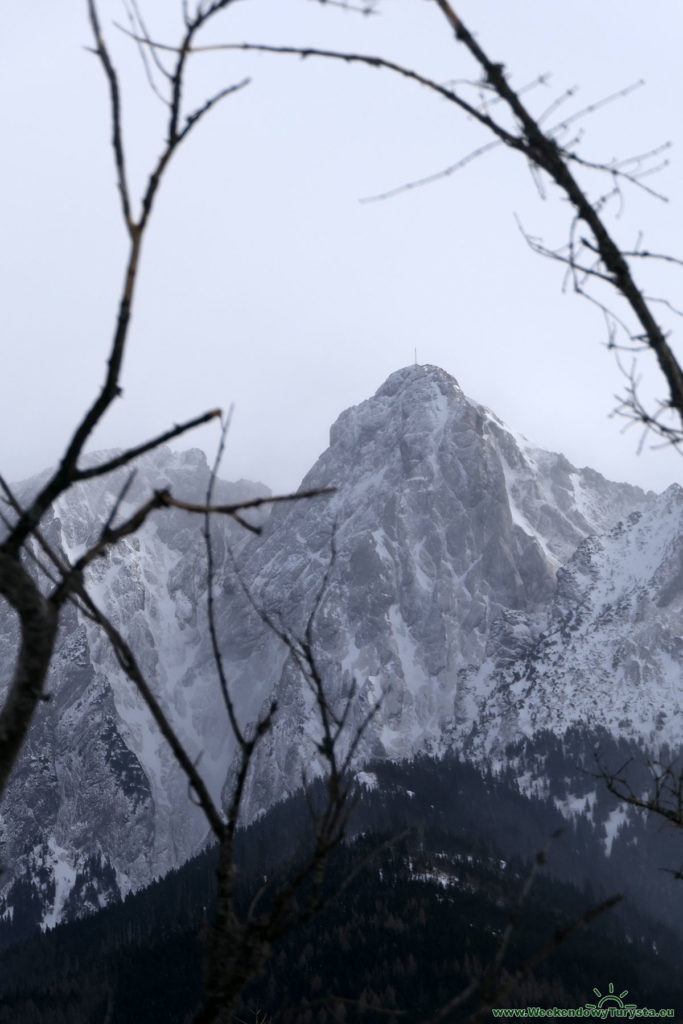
(611, 998)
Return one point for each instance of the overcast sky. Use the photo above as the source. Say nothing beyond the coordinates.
(266, 282)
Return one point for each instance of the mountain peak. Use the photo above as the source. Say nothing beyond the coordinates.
(449, 533)
(483, 588)
(413, 405)
(418, 375)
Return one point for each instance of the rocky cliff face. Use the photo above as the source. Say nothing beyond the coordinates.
(97, 806)
(484, 589)
(449, 532)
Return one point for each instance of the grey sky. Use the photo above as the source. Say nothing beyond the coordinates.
(266, 283)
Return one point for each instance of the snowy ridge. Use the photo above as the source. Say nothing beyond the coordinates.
(612, 647)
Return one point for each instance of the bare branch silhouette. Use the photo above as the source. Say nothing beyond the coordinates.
(545, 154)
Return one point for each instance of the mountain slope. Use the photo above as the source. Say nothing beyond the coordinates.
(482, 588)
(611, 650)
(422, 915)
(97, 805)
(449, 531)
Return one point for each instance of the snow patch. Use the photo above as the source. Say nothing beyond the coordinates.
(368, 780)
(616, 819)
(64, 874)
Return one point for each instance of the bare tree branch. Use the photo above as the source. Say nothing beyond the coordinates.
(591, 108)
(353, 58)
(117, 132)
(104, 468)
(210, 576)
(38, 619)
(146, 52)
(541, 150)
(129, 664)
(664, 797)
(67, 471)
(491, 984)
(429, 179)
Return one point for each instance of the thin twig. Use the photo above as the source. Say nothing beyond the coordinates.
(210, 579)
(437, 176)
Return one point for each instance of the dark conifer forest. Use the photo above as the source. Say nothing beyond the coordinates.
(443, 853)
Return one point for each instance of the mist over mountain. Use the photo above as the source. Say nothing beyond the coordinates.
(487, 591)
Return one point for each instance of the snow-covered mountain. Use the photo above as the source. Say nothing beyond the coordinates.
(485, 589)
(97, 805)
(451, 537)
